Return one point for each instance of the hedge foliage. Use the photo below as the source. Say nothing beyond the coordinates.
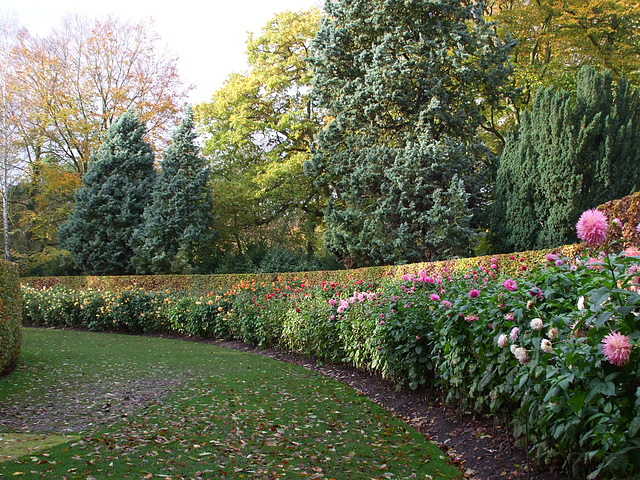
(10, 317)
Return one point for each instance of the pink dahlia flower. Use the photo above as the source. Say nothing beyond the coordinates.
(510, 285)
(514, 334)
(592, 227)
(617, 348)
(474, 293)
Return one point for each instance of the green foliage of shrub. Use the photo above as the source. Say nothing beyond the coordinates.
(10, 317)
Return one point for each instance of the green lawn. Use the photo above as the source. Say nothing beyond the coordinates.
(99, 406)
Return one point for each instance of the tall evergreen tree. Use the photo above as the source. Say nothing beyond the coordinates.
(404, 84)
(177, 230)
(571, 152)
(110, 203)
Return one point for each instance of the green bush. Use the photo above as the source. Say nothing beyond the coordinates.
(10, 317)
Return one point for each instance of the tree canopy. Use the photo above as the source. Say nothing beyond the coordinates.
(556, 38)
(257, 132)
(404, 85)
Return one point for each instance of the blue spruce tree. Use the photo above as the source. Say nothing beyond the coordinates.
(404, 84)
(110, 203)
(177, 233)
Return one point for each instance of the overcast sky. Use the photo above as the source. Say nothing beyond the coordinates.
(208, 36)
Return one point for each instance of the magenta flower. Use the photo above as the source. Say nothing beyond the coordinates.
(617, 348)
(446, 304)
(435, 297)
(510, 285)
(592, 227)
(474, 293)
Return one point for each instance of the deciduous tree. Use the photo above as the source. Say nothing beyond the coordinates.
(75, 82)
(258, 129)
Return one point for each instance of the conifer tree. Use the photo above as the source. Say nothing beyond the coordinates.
(404, 84)
(110, 203)
(571, 152)
(177, 230)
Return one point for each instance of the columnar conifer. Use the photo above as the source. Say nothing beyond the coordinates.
(571, 152)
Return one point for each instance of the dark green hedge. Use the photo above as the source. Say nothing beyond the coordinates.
(10, 317)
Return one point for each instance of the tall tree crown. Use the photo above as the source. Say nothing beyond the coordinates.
(404, 84)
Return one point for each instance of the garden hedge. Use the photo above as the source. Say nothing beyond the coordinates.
(211, 283)
(10, 317)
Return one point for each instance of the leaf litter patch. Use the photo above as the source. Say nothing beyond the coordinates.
(104, 404)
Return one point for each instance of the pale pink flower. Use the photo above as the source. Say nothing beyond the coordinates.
(510, 285)
(471, 318)
(546, 346)
(522, 355)
(446, 304)
(503, 341)
(537, 324)
(553, 333)
(617, 222)
(592, 227)
(617, 348)
(581, 303)
(509, 317)
(638, 228)
(514, 334)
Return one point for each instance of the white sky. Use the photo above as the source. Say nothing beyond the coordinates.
(208, 36)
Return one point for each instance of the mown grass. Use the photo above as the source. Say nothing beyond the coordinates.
(199, 412)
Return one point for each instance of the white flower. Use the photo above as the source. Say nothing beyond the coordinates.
(553, 333)
(537, 324)
(513, 348)
(581, 303)
(546, 345)
(503, 341)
